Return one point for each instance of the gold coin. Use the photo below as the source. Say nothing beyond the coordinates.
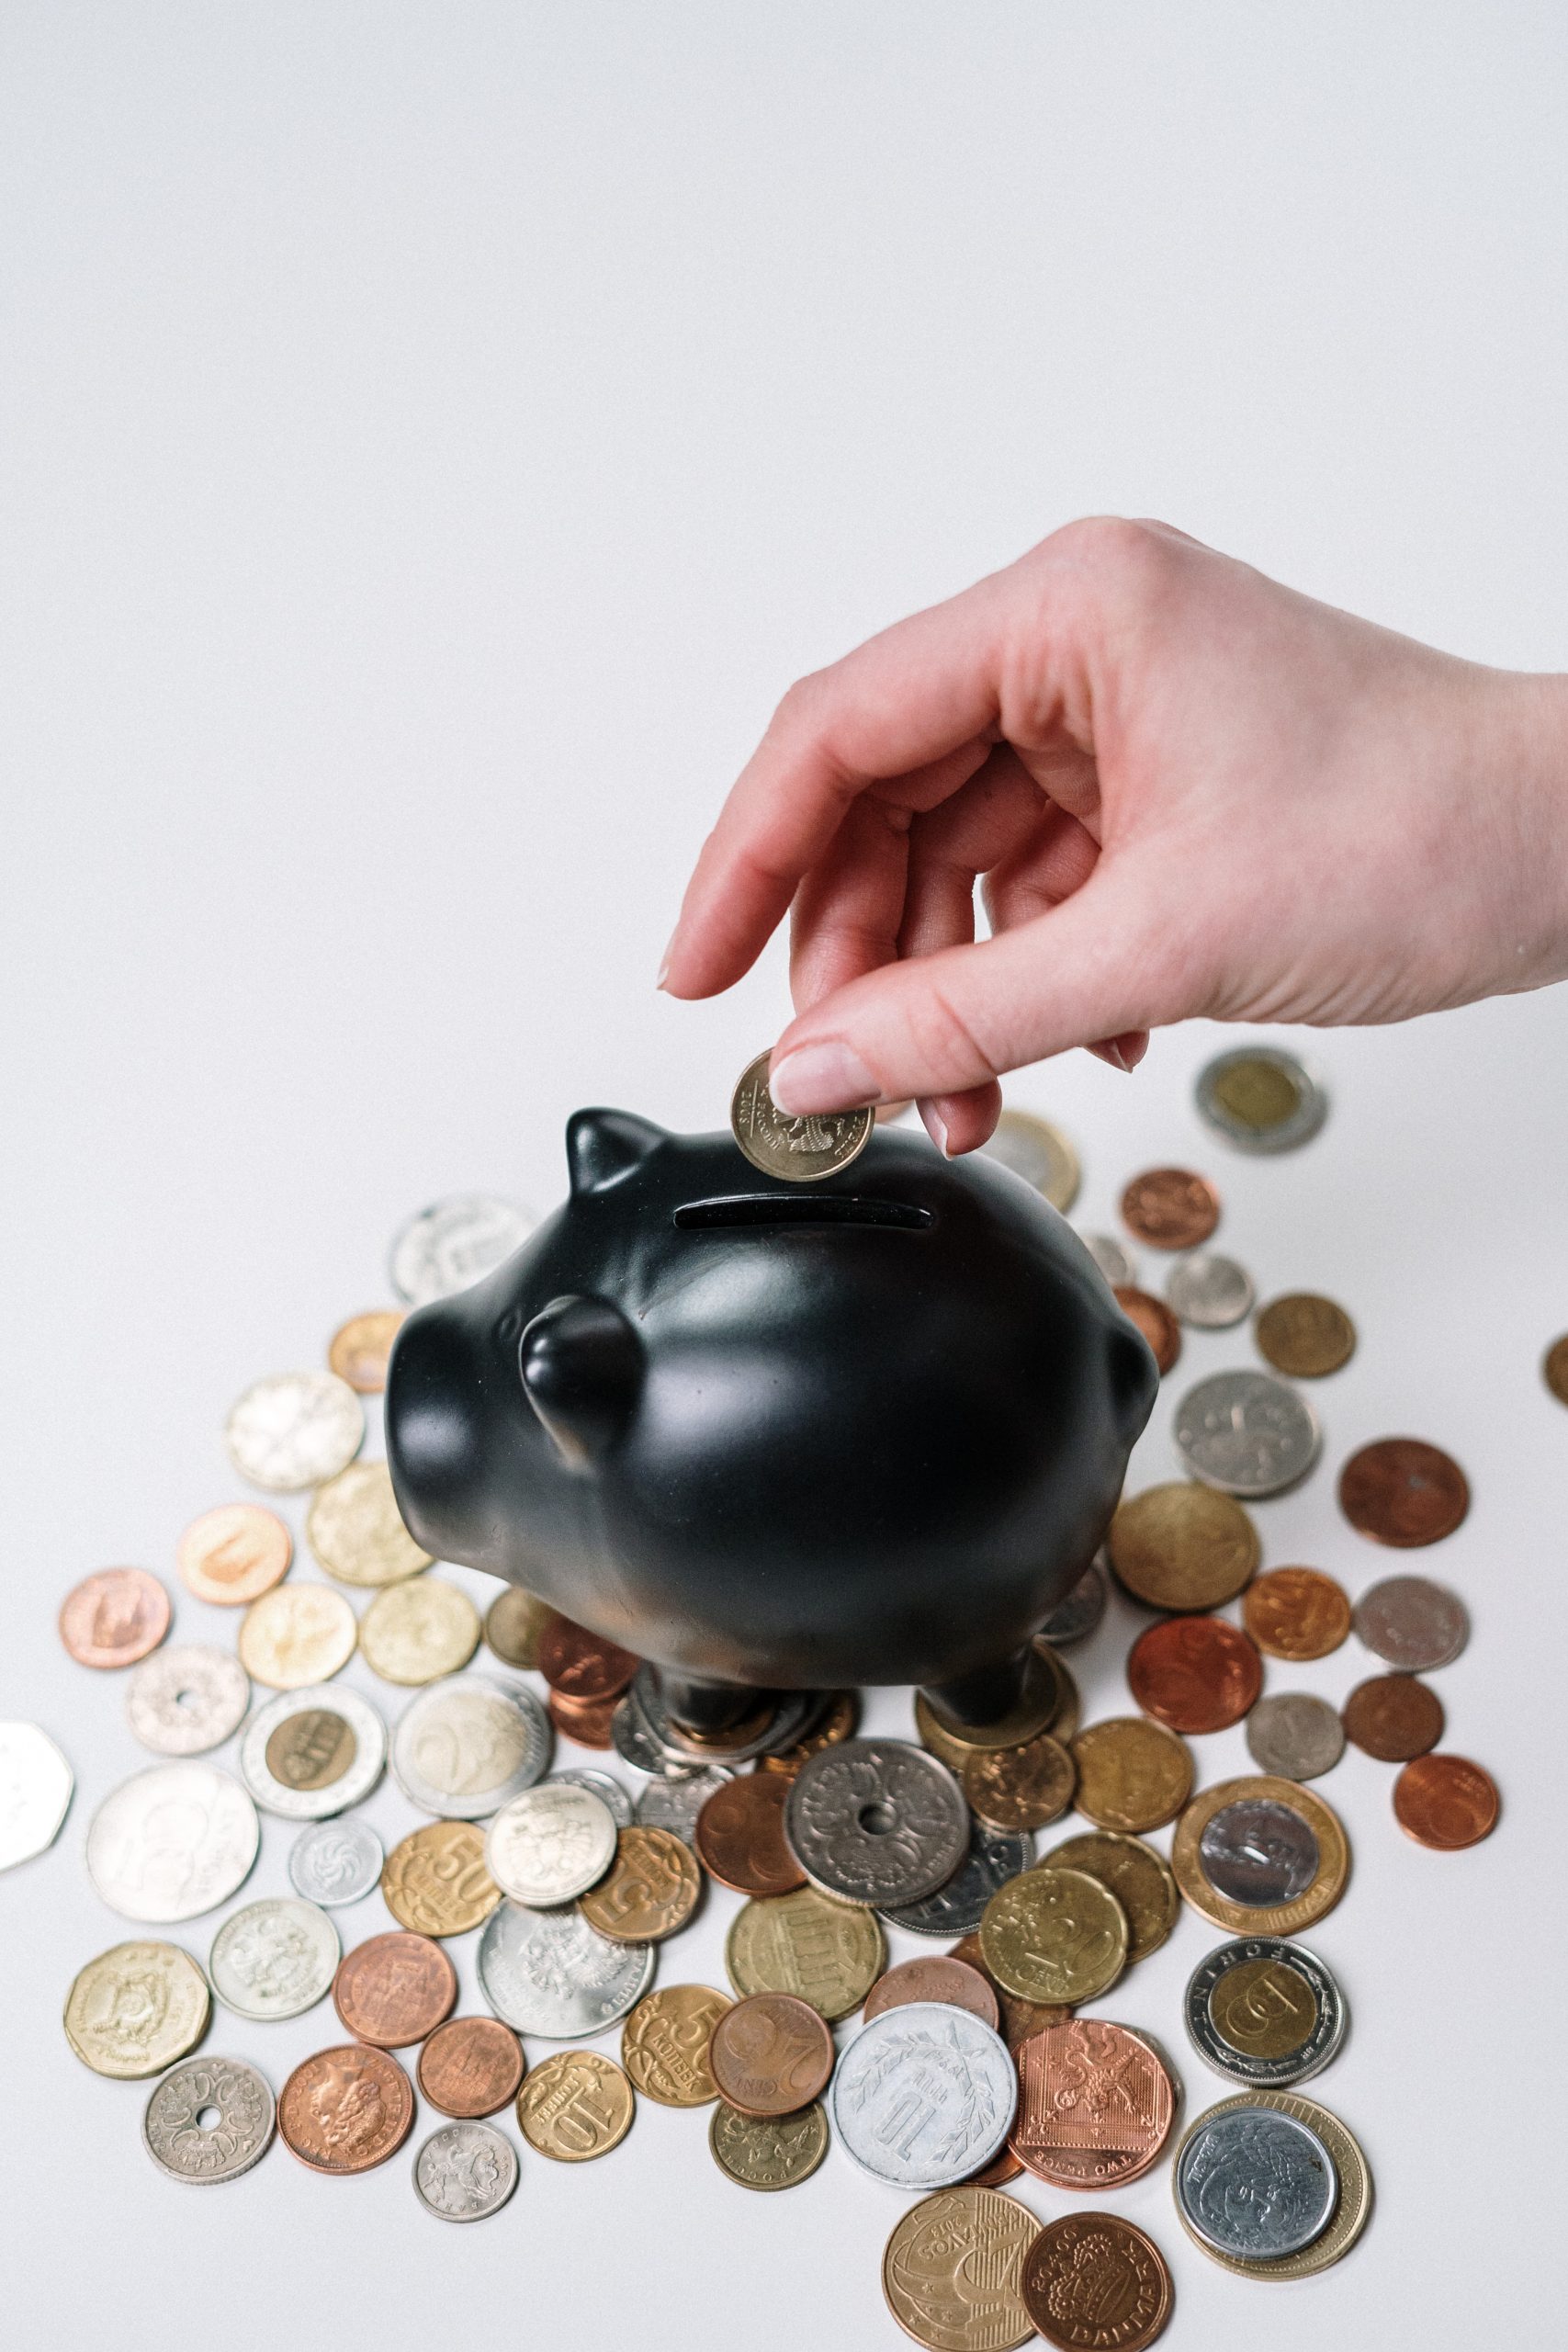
(357, 1531)
(1046, 1686)
(1141, 1880)
(768, 2151)
(296, 1634)
(651, 1891)
(1020, 1788)
(513, 1623)
(575, 2106)
(235, 1553)
(435, 1882)
(1305, 1335)
(951, 2270)
(1038, 1152)
(801, 1151)
(664, 2044)
(418, 1632)
(1264, 2009)
(135, 2009)
(1286, 1918)
(311, 1748)
(1351, 2212)
(837, 1723)
(1055, 1935)
(1065, 1717)
(1133, 1774)
(1183, 1546)
(360, 1348)
(826, 1952)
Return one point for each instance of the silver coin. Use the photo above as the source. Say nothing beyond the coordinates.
(924, 2096)
(1080, 1609)
(876, 1821)
(334, 1757)
(1412, 1623)
(1246, 1433)
(785, 1716)
(1255, 2183)
(294, 1430)
(333, 1862)
(549, 1973)
(674, 1804)
(1116, 1261)
(1208, 1291)
(210, 2120)
(604, 1785)
(551, 1844)
(274, 1958)
(455, 1243)
(1038, 1152)
(468, 1745)
(1258, 1853)
(171, 1842)
(632, 1739)
(1294, 1736)
(465, 2172)
(183, 1702)
(36, 1782)
(1261, 1099)
(1220, 2025)
(955, 1908)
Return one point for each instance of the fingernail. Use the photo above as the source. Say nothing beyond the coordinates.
(1108, 1049)
(828, 1077)
(1135, 1048)
(935, 1127)
(664, 966)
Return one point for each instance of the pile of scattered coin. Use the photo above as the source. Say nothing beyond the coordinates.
(970, 2066)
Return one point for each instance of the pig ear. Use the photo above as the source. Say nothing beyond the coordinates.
(581, 1367)
(604, 1146)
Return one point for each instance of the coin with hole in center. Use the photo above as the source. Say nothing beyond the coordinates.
(210, 2120)
(876, 1821)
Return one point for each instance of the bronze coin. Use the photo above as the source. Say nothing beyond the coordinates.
(1194, 1673)
(114, 1618)
(1402, 1491)
(472, 2066)
(650, 1890)
(1394, 1717)
(998, 2172)
(1179, 1545)
(1170, 1208)
(312, 1749)
(771, 2054)
(1446, 1801)
(1018, 2017)
(1296, 1613)
(585, 1721)
(1155, 1320)
(838, 1721)
(235, 1553)
(1554, 1369)
(360, 1348)
(345, 2109)
(1095, 2104)
(1020, 1788)
(583, 1667)
(740, 1836)
(514, 1623)
(935, 1976)
(1091, 2280)
(394, 1989)
(1303, 1335)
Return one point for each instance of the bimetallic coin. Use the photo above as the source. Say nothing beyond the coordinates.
(135, 2009)
(416, 1632)
(1394, 1717)
(514, 1623)
(435, 1882)
(772, 1724)
(768, 2152)
(360, 1348)
(676, 1802)
(828, 1953)
(313, 1752)
(345, 2109)
(334, 1862)
(1182, 1547)
(357, 1531)
(1304, 1336)
(393, 1990)
(1133, 1774)
(551, 1844)
(1138, 1877)
(297, 1634)
(1194, 1674)
(1446, 1802)
(951, 2269)
(1296, 1613)
(1351, 2210)
(1020, 1788)
(472, 2066)
(1413, 1623)
(1038, 1152)
(182, 1701)
(1253, 2182)
(1294, 1736)
(465, 2172)
(800, 1150)
(924, 2096)
(1265, 2012)
(36, 1782)
(171, 1842)
(1246, 1433)
(1261, 1856)
(114, 1618)
(650, 1890)
(935, 1977)
(547, 1972)
(455, 1243)
(1260, 1099)
(664, 2044)
(1079, 1612)
(1402, 1491)
(1209, 1292)
(876, 1821)
(1056, 1935)
(231, 1555)
(957, 1907)
(210, 2120)
(740, 1834)
(576, 2106)
(294, 1430)
(1170, 1208)
(275, 1959)
(1116, 1261)
(1152, 1317)
(468, 1747)
(1092, 2280)
(1095, 2103)
(1258, 1853)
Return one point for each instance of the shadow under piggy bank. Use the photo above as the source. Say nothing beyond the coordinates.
(776, 1436)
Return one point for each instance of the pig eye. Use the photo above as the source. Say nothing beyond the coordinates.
(799, 1208)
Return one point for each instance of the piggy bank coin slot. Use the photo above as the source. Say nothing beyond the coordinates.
(780, 1209)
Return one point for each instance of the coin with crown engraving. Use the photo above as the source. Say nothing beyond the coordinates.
(210, 2120)
(313, 1752)
(465, 2172)
(274, 1958)
(800, 1150)
(876, 1821)
(958, 1904)
(924, 2096)
(549, 1973)
(1090, 2282)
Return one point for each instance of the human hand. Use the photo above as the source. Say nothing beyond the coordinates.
(1185, 790)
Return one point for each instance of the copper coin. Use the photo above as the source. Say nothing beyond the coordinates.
(650, 1890)
(936, 1977)
(472, 2066)
(838, 1721)
(740, 1835)
(231, 1555)
(1154, 1320)
(1018, 2017)
(360, 1348)
(1020, 1788)
(1446, 1801)
(998, 2172)
(1170, 1208)
(115, 1617)
(345, 2109)
(1554, 1369)
(1095, 2104)
(1296, 1613)
(586, 1720)
(771, 2054)
(394, 1989)
(583, 1667)
(1092, 2280)
(1305, 1335)
(1194, 1673)
(1394, 1717)
(1404, 1492)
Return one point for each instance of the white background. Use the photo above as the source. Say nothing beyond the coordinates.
(433, 438)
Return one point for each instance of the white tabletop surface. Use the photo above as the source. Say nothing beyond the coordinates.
(432, 439)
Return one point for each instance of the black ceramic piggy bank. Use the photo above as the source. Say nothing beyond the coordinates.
(778, 1436)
